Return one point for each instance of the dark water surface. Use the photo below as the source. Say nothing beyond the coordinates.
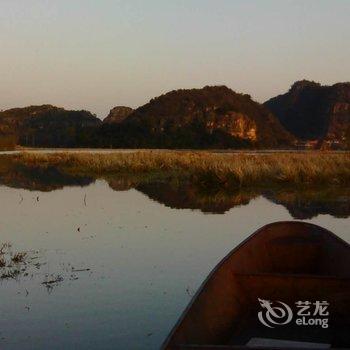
(126, 257)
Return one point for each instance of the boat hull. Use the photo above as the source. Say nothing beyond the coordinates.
(288, 262)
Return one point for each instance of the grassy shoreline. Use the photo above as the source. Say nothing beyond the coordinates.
(206, 168)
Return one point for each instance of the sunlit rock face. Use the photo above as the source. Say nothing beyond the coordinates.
(117, 114)
(235, 124)
(311, 111)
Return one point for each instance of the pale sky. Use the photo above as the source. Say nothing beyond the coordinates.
(96, 54)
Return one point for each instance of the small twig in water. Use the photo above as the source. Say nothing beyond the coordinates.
(189, 292)
(56, 280)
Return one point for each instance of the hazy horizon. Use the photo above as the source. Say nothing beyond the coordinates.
(96, 55)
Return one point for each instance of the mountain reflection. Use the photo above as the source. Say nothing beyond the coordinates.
(41, 179)
(306, 204)
(186, 196)
(301, 203)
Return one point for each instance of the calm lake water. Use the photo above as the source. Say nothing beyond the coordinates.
(126, 260)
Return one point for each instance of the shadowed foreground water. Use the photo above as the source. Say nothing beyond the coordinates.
(126, 260)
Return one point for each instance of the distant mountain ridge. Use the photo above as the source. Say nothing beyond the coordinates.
(210, 117)
(311, 111)
(46, 126)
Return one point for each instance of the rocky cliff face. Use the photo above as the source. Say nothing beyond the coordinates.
(118, 114)
(314, 112)
(214, 116)
(237, 125)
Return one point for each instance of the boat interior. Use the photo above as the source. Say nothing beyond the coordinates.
(288, 261)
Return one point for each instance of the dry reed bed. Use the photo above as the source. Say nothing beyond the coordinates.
(238, 169)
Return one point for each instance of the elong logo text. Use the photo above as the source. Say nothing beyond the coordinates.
(307, 313)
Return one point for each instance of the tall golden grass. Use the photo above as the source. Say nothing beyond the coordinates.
(224, 169)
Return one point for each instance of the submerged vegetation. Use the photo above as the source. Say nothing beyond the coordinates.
(223, 170)
(11, 263)
(16, 265)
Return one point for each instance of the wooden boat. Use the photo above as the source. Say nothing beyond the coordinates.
(250, 300)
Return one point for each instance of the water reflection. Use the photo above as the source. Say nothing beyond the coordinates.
(41, 179)
(106, 257)
(308, 203)
(302, 203)
(187, 196)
